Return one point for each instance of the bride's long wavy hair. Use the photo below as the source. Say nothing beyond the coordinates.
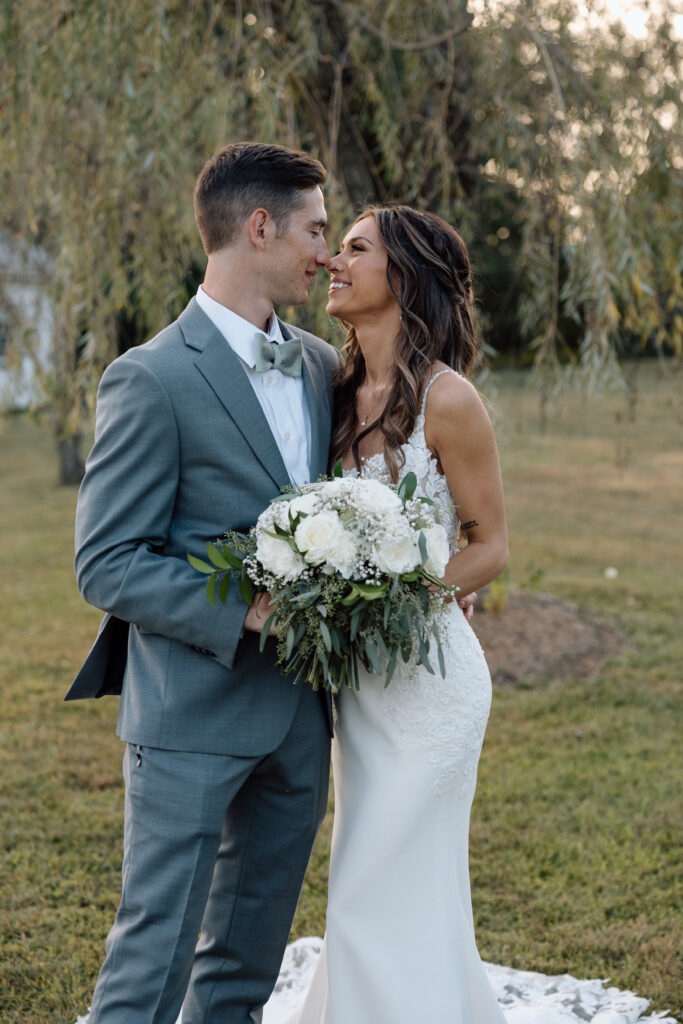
(428, 271)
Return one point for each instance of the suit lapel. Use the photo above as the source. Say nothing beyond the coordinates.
(224, 373)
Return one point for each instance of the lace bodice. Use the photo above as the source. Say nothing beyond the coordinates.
(419, 460)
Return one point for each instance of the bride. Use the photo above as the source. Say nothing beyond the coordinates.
(399, 944)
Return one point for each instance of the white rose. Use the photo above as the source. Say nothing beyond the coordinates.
(344, 555)
(318, 535)
(372, 496)
(306, 503)
(278, 557)
(398, 552)
(437, 550)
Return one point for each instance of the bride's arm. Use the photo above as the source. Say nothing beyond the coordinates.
(460, 434)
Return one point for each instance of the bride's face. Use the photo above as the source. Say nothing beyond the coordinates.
(358, 288)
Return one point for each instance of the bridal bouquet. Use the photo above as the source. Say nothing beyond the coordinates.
(348, 563)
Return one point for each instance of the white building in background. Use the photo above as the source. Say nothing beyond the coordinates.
(25, 321)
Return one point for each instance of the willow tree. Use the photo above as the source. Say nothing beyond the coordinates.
(550, 138)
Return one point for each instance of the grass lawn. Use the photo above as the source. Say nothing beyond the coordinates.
(576, 826)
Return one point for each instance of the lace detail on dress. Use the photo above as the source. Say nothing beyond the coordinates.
(444, 716)
(419, 460)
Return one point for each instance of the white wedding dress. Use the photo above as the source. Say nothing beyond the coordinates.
(399, 946)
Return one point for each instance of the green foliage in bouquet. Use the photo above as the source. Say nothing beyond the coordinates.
(343, 606)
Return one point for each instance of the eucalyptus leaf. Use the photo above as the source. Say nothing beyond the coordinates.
(442, 663)
(381, 646)
(325, 634)
(211, 590)
(423, 657)
(336, 636)
(223, 590)
(407, 487)
(373, 657)
(265, 632)
(391, 666)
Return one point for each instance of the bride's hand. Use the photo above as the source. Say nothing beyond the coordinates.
(259, 610)
(467, 604)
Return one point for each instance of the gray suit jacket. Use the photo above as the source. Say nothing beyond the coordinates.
(183, 452)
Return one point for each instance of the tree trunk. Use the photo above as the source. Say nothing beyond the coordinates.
(71, 465)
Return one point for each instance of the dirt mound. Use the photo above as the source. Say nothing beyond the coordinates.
(539, 636)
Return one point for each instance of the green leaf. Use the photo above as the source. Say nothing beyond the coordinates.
(422, 544)
(338, 469)
(337, 639)
(325, 634)
(423, 659)
(371, 591)
(442, 663)
(407, 487)
(217, 557)
(223, 591)
(199, 565)
(391, 666)
(246, 589)
(373, 657)
(290, 642)
(356, 618)
(354, 663)
(265, 632)
(284, 536)
(211, 590)
(234, 559)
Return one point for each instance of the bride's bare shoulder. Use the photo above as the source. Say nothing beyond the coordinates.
(450, 392)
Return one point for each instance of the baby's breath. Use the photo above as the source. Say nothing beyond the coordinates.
(349, 586)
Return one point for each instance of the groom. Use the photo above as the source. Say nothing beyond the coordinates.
(226, 765)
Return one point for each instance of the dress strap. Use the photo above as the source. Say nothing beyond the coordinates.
(429, 384)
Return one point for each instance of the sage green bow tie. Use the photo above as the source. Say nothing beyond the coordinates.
(271, 355)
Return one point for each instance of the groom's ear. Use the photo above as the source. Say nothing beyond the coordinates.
(261, 227)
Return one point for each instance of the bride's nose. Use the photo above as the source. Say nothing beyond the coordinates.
(335, 264)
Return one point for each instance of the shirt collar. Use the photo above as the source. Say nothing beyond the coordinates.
(238, 332)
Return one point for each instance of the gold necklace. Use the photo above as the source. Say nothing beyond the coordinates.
(378, 391)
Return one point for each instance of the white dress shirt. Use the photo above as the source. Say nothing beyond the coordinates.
(280, 396)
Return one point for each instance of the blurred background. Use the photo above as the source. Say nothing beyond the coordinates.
(550, 134)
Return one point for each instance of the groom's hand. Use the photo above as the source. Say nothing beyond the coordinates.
(467, 604)
(259, 610)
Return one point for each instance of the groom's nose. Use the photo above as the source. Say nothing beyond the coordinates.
(322, 256)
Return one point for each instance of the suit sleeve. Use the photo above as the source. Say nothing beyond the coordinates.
(123, 519)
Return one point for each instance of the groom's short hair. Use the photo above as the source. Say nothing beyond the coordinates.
(244, 176)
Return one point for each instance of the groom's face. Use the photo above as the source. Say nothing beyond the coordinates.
(299, 252)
